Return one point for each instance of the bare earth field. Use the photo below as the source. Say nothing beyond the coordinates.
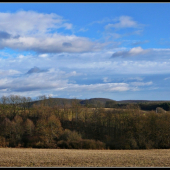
(26, 157)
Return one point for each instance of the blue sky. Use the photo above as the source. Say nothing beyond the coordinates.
(119, 51)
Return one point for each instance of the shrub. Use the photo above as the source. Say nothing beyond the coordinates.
(160, 110)
(39, 144)
(92, 144)
(63, 144)
(81, 144)
(3, 142)
(69, 135)
(75, 144)
(100, 145)
(133, 144)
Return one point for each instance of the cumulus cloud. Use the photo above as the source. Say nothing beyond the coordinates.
(52, 44)
(30, 22)
(32, 31)
(33, 82)
(136, 50)
(132, 52)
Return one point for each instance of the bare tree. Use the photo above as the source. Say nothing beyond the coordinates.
(4, 101)
(29, 127)
(76, 108)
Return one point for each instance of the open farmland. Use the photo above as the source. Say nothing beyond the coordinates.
(19, 157)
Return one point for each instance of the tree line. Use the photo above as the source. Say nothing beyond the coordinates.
(142, 105)
(47, 124)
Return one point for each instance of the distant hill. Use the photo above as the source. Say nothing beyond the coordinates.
(67, 102)
(133, 101)
(141, 101)
(56, 101)
(93, 102)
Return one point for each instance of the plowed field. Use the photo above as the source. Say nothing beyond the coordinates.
(21, 157)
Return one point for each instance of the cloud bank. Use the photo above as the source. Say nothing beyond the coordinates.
(32, 31)
(58, 81)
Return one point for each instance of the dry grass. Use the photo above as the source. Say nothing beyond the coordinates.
(19, 157)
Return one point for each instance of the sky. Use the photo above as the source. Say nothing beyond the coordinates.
(119, 51)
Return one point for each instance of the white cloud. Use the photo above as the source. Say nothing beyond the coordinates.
(79, 63)
(43, 55)
(141, 83)
(132, 52)
(58, 81)
(100, 87)
(161, 49)
(64, 72)
(137, 50)
(106, 80)
(21, 56)
(95, 63)
(9, 72)
(73, 73)
(123, 22)
(30, 22)
(29, 30)
(52, 44)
